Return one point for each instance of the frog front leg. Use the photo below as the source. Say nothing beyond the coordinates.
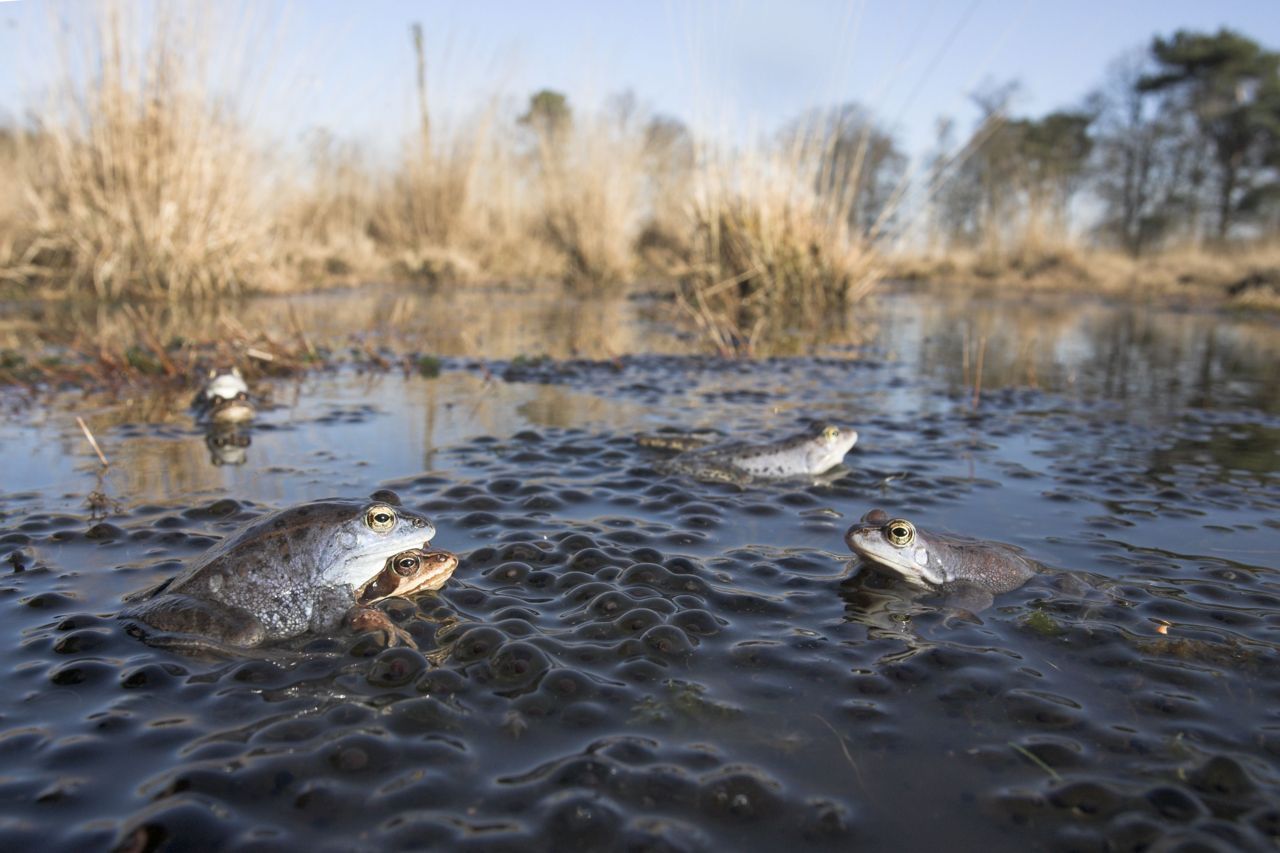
(363, 620)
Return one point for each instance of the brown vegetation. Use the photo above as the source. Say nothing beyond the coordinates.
(138, 179)
(1241, 277)
(139, 182)
(768, 249)
(142, 179)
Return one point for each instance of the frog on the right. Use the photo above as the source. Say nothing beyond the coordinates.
(970, 572)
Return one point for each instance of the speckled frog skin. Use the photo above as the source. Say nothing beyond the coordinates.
(805, 454)
(287, 573)
(970, 571)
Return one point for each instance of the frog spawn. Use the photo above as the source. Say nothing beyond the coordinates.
(401, 744)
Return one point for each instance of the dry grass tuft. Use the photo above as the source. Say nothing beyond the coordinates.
(767, 250)
(140, 180)
(323, 224)
(431, 208)
(592, 183)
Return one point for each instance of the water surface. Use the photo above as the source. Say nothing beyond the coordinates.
(631, 661)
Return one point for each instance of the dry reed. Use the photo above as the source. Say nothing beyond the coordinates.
(591, 180)
(767, 248)
(143, 179)
(140, 178)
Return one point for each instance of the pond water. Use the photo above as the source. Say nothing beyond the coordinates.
(627, 660)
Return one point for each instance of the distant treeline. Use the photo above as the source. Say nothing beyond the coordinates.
(1180, 145)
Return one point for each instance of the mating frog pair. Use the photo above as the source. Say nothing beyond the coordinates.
(307, 568)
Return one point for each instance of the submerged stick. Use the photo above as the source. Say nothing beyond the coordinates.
(93, 442)
(1036, 760)
(845, 749)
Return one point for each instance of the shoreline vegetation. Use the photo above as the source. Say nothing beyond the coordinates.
(140, 179)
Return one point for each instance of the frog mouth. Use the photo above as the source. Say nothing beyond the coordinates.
(866, 542)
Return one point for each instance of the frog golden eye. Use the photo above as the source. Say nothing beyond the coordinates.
(380, 518)
(831, 433)
(406, 566)
(900, 532)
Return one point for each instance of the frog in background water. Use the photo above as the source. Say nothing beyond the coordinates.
(806, 454)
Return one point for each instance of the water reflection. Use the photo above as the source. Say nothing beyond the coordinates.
(598, 597)
(227, 445)
(1143, 356)
(1149, 359)
(1152, 364)
(481, 321)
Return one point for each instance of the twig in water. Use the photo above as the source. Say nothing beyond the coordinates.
(977, 371)
(1036, 760)
(845, 749)
(93, 442)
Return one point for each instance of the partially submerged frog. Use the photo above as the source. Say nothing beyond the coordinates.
(237, 410)
(970, 572)
(225, 385)
(407, 573)
(225, 399)
(292, 571)
(806, 454)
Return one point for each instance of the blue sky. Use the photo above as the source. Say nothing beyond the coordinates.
(348, 66)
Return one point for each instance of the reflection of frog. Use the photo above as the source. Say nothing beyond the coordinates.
(971, 572)
(227, 445)
(806, 454)
(296, 570)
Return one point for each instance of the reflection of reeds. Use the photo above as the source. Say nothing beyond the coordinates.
(973, 381)
(171, 343)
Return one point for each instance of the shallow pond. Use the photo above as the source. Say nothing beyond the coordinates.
(631, 661)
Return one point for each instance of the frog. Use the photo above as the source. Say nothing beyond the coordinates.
(224, 399)
(223, 385)
(809, 453)
(970, 572)
(297, 570)
(230, 411)
(407, 573)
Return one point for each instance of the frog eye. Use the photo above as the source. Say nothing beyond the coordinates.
(831, 433)
(900, 532)
(406, 565)
(380, 518)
